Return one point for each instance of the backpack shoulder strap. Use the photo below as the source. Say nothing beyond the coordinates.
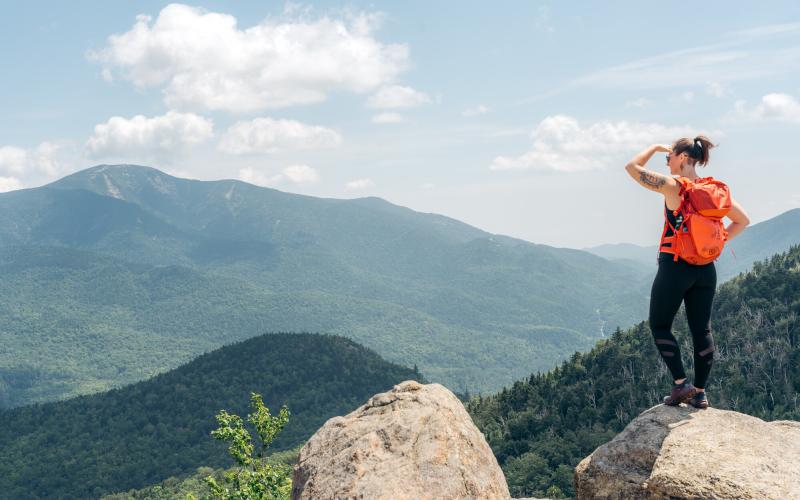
(685, 184)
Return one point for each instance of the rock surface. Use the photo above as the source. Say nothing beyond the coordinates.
(413, 442)
(682, 452)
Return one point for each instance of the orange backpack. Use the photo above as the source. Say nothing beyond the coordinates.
(701, 235)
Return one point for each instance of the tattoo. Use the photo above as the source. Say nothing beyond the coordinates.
(651, 179)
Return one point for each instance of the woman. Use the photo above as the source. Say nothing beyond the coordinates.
(678, 281)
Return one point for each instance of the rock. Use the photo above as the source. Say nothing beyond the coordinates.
(413, 442)
(682, 452)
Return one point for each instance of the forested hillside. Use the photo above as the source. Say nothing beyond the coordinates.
(143, 433)
(541, 427)
(142, 271)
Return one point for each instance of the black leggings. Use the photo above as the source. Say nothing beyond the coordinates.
(695, 286)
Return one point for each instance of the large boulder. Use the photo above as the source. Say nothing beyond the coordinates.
(681, 452)
(413, 442)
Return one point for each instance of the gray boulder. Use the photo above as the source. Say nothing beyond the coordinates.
(681, 452)
(413, 442)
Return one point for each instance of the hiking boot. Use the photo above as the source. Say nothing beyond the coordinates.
(699, 400)
(680, 393)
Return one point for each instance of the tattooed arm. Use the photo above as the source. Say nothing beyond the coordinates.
(654, 181)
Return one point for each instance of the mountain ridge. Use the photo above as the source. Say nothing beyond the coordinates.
(462, 303)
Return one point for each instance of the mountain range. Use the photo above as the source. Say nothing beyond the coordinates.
(115, 273)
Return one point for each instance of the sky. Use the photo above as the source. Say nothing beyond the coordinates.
(514, 117)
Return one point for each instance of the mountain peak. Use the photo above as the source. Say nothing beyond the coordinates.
(126, 168)
(121, 181)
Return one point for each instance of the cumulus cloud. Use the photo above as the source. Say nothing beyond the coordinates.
(9, 184)
(265, 135)
(20, 167)
(776, 106)
(562, 144)
(477, 110)
(203, 61)
(300, 174)
(13, 160)
(397, 96)
(383, 118)
(256, 177)
(295, 174)
(146, 137)
(359, 184)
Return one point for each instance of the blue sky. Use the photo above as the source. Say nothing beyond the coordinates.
(517, 118)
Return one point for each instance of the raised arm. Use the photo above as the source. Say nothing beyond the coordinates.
(653, 181)
(739, 219)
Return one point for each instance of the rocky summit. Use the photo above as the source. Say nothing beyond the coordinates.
(681, 452)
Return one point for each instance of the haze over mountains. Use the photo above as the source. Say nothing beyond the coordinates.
(115, 273)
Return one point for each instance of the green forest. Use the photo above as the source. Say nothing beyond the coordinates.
(541, 427)
(102, 290)
(179, 487)
(141, 434)
(538, 428)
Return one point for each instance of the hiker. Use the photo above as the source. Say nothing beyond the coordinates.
(686, 269)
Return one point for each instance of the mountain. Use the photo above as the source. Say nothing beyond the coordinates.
(146, 432)
(474, 310)
(626, 252)
(757, 242)
(541, 427)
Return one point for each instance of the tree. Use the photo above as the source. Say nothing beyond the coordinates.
(255, 478)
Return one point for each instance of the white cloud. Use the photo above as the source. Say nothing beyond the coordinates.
(253, 176)
(765, 31)
(204, 61)
(145, 137)
(295, 174)
(383, 118)
(776, 106)
(9, 184)
(359, 184)
(641, 102)
(477, 110)
(19, 166)
(300, 174)
(13, 160)
(265, 135)
(734, 58)
(397, 96)
(562, 144)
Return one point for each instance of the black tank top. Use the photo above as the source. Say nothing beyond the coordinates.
(673, 222)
